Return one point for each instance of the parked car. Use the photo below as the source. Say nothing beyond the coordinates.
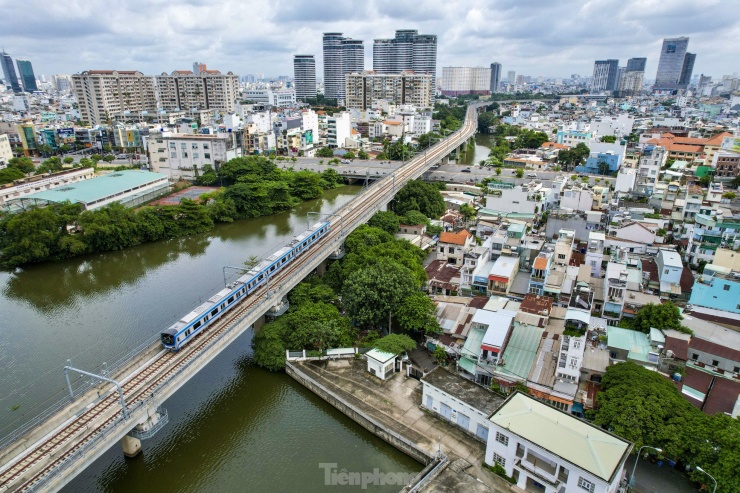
(531, 175)
(466, 170)
(344, 161)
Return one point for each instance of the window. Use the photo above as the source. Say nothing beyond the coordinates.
(205, 146)
(726, 287)
(501, 438)
(194, 146)
(715, 362)
(694, 356)
(451, 249)
(195, 155)
(172, 145)
(207, 155)
(173, 155)
(500, 460)
(736, 369)
(665, 271)
(586, 485)
(561, 256)
(183, 145)
(184, 154)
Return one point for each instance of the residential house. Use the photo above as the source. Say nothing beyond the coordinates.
(547, 450)
(717, 288)
(459, 401)
(452, 246)
(502, 274)
(634, 346)
(670, 270)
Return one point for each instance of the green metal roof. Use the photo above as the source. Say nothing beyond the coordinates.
(634, 341)
(575, 440)
(467, 365)
(521, 350)
(88, 191)
(471, 348)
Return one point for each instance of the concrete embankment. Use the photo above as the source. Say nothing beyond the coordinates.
(391, 410)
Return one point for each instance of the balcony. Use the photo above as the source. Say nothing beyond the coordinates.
(611, 315)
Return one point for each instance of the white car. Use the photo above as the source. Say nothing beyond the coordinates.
(531, 175)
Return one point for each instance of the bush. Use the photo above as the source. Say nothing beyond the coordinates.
(498, 470)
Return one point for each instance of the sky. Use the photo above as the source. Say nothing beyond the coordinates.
(552, 38)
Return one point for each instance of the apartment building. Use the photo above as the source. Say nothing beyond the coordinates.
(206, 90)
(648, 172)
(457, 81)
(6, 152)
(104, 95)
(364, 88)
(183, 156)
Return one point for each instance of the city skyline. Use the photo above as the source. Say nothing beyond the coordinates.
(537, 39)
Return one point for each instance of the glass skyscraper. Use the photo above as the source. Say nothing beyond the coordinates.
(675, 65)
(304, 77)
(9, 72)
(25, 70)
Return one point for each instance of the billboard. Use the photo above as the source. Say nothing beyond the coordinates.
(731, 144)
(66, 133)
(308, 135)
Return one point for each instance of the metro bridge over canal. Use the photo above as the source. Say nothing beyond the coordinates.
(126, 406)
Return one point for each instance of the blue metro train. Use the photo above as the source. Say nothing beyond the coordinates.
(185, 329)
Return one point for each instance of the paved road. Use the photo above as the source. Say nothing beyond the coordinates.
(650, 478)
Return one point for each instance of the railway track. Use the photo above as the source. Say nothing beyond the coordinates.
(29, 469)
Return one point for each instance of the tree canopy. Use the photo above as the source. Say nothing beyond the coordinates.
(419, 196)
(646, 408)
(394, 344)
(661, 316)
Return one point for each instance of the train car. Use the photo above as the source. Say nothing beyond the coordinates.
(185, 329)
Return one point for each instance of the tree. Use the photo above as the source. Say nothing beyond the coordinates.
(64, 148)
(363, 155)
(416, 313)
(316, 325)
(498, 171)
(306, 185)
(414, 218)
(385, 220)
(603, 167)
(108, 158)
(45, 149)
(395, 344)
(729, 195)
(519, 173)
(69, 160)
(24, 164)
(208, 176)
(419, 196)
(86, 163)
(468, 211)
(325, 152)
(349, 155)
(269, 350)
(95, 158)
(9, 175)
(440, 355)
(49, 166)
(372, 294)
(661, 316)
(609, 139)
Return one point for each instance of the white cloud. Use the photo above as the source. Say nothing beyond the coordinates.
(533, 37)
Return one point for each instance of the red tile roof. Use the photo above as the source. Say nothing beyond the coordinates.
(534, 304)
(717, 139)
(455, 238)
(723, 396)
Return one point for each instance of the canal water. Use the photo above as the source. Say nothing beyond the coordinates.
(483, 143)
(233, 427)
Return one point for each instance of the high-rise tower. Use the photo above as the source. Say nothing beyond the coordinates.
(409, 50)
(605, 76)
(341, 56)
(495, 76)
(28, 79)
(675, 66)
(304, 73)
(11, 79)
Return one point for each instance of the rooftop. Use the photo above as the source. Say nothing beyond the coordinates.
(561, 434)
(521, 350)
(458, 238)
(88, 191)
(464, 390)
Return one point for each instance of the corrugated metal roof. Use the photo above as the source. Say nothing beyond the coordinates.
(636, 342)
(98, 188)
(472, 343)
(521, 350)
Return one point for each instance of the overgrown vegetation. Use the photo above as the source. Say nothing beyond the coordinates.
(646, 408)
(257, 187)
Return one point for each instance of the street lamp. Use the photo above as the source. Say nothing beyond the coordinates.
(632, 477)
(705, 472)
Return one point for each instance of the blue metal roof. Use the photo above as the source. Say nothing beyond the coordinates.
(88, 191)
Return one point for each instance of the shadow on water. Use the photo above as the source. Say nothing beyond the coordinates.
(66, 282)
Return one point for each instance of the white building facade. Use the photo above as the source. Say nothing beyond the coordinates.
(184, 156)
